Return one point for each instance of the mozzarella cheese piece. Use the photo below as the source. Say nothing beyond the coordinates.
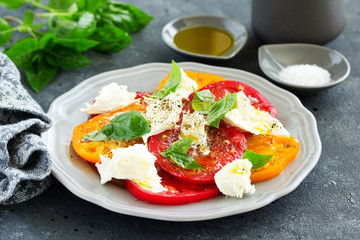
(185, 87)
(234, 178)
(250, 119)
(112, 97)
(193, 127)
(135, 163)
(162, 114)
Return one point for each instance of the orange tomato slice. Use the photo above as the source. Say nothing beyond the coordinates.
(283, 149)
(91, 150)
(202, 79)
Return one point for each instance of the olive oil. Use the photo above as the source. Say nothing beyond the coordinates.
(204, 40)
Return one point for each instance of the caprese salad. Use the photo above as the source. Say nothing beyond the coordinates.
(196, 136)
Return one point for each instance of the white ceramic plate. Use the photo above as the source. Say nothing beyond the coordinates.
(81, 179)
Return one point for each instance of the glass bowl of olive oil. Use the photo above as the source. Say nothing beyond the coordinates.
(205, 36)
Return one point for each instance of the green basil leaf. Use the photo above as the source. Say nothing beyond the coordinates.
(95, 136)
(202, 101)
(12, 4)
(91, 5)
(111, 38)
(127, 126)
(5, 31)
(61, 4)
(177, 152)
(46, 42)
(126, 16)
(39, 74)
(28, 18)
(257, 160)
(61, 26)
(185, 161)
(79, 44)
(85, 26)
(171, 84)
(65, 57)
(180, 146)
(219, 109)
(23, 52)
(37, 26)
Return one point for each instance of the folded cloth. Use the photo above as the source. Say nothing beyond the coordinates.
(25, 162)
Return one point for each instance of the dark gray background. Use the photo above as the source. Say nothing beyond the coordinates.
(324, 206)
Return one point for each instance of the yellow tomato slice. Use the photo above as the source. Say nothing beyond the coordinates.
(91, 150)
(283, 149)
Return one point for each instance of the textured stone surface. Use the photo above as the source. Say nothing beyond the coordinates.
(324, 206)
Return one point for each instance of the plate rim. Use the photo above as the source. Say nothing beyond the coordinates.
(76, 189)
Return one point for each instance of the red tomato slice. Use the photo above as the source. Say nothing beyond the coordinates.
(141, 95)
(179, 192)
(258, 100)
(225, 143)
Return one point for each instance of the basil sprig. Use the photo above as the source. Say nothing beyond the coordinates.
(95, 136)
(219, 109)
(177, 152)
(127, 126)
(202, 101)
(74, 26)
(257, 160)
(171, 84)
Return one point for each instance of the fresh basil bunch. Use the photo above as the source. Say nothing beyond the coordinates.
(72, 27)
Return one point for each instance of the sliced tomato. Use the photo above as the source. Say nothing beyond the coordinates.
(220, 89)
(283, 149)
(226, 143)
(90, 150)
(178, 193)
(141, 95)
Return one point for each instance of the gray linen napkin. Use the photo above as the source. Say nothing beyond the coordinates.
(25, 162)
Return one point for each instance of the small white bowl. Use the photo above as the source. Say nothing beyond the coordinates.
(274, 57)
(237, 30)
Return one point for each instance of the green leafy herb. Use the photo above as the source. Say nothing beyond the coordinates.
(171, 84)
(39, 73)
(177, 152)
(5, 31)
(78, 44)
(202, 101)
(180, 146)
(95, 136)
(123, 15)
(127, 126)
(85, 26)
(72, 27)
(65, 57)
(12, 4)
(257, 160)
(28, 19)
(61, 4)
(111, 38)
(23, 51)
(219, 109)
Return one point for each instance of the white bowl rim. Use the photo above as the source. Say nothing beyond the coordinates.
(326, 85)
(173, 46)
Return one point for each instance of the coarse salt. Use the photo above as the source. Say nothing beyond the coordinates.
(305, 75)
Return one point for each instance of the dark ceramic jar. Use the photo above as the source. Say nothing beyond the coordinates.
(306, 21)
